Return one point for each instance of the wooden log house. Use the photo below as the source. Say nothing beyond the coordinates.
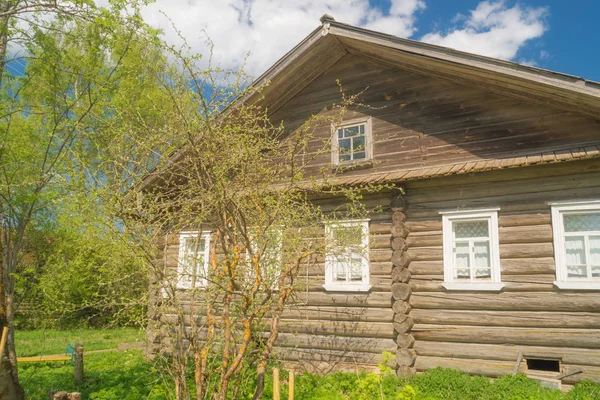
(490, 256)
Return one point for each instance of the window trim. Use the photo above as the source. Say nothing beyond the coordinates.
(204, 235)
(279, 231)
(330, 257)
(558, 232)
(335, 152)
(448, 217)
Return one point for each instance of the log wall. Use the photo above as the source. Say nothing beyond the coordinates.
(325, 330)
(483, 332)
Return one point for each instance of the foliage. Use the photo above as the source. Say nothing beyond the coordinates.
(126, 375)
(31, 343)
(76, 276)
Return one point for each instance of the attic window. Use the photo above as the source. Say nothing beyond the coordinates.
(352, 142)
(538, 364)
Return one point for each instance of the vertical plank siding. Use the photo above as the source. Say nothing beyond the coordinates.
(483, 332)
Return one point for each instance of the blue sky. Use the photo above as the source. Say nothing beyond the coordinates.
(559, 35)
(571, 43)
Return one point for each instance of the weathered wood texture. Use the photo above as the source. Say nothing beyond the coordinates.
(330, 328)
(483, 332)
(420, 121)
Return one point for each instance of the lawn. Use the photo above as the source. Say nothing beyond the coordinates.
(125, 374)
(111, 375)
(33, 343)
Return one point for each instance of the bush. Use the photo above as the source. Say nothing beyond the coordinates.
(435, 384)
(77, 278)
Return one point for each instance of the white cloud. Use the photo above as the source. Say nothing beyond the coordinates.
(267, 29)
(493, 29)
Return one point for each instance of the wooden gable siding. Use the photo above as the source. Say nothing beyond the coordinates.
(483, 332)
(419, 121)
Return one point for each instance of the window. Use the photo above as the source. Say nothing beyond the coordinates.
(192, 266)
(576, 229)
(352, 142)
(471, 250)
(271, 245)
(347, 258)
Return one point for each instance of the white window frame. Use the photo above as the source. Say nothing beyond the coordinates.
(330, 258)
(489, 214)
(335, 147)
(278, 248)
(187, 283)
(558, 230)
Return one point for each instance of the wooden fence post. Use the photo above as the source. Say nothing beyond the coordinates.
(276, 384)
(78, 363)
(291, 385)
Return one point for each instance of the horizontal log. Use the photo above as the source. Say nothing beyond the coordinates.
(528, 250)
(502, 352)
(513, 318)
(517, 266)
(551, 337)
(496, 368)
(551, 301)
(516, 202)
(419, 226)
(514, 250)
(506, 235)
(382, 330)
(330, 357)
(524, 219)
(490, 190)
(375, 268)
(334, 342)
(420, 212)
(379, 283)
(421, 285)
(470, 366)
(499, 176)
(375, 299)
(433, 253)
(339, 313)
(435, 267)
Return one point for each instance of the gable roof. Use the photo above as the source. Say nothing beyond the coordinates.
(332, 40)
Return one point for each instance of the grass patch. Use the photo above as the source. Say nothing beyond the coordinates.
(126, 375)
(38, 342)
(108, 376)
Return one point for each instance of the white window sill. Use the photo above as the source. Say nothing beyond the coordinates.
(474, 286)
(348, 287)
(578, 285)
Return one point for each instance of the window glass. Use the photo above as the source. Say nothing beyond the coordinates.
(581, 245)
(192, 263)
(471, 249)
(347, 260)
(352, 143)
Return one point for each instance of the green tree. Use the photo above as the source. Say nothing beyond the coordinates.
(55, 115)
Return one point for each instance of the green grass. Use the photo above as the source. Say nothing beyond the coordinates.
(108, 376)
(127, 375)
(33, 343)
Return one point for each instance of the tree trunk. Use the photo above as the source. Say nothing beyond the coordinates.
(9, 384)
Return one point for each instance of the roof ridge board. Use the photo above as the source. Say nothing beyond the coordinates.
(416, 45)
